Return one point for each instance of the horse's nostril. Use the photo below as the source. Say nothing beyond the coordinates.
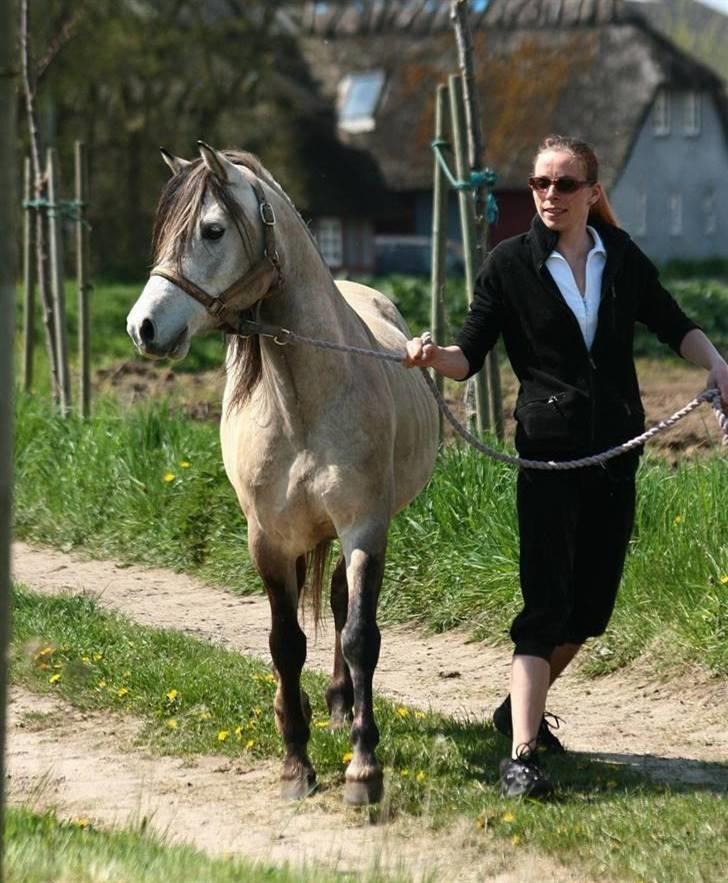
(146, 332)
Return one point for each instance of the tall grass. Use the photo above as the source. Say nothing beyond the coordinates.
(148, 485)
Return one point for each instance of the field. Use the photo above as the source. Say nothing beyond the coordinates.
(142, 482)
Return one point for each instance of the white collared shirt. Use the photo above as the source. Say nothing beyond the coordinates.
(586, 309)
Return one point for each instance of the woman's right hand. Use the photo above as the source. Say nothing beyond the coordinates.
(422, 352)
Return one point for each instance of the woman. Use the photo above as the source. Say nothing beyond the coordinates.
(566, 296)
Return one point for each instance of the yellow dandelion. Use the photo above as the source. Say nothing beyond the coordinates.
(404, 773)
(724, 579)
(122, 691)
(81, 823)
(172, 723)
(222, 735)
(169, 476)
(97, 657)
(171, 695)
(420, 776)
(402, 711)
(516, 839)
(102, 684)
(321, 725)
(677, 519)
(85, 660)
(53, 679)
(44, 651)
(184, 464)
(249, 744)
(347, 756)
(508, 817)
(205, 715)
(238, 732)
(419, 715)
(270, 678)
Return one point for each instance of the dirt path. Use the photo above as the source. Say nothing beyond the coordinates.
(61, 757)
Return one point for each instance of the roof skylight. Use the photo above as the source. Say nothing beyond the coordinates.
(359, 96)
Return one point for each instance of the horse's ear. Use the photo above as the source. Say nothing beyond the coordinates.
(216, 162)
(175, 163)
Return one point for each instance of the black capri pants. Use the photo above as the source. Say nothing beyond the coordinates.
(574, 527)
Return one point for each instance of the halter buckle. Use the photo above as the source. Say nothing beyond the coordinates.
(267, 215)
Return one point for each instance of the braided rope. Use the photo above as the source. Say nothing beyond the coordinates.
(283, 336)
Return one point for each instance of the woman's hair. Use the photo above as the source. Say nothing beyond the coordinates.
(601, 211)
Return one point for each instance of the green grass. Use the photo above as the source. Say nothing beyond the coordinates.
(147, 485)
(40, 848)
(605, 818)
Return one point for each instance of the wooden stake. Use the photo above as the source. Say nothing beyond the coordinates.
(467, 224)
(59, 296)
(28, 278)
(84, 288)
(476, 154)
(439, 239)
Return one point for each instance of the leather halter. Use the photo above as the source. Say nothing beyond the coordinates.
(267, 271)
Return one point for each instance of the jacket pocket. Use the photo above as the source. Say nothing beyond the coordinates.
(559, 419)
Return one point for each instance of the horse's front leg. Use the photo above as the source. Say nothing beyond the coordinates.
(360, 641)
(288, 649)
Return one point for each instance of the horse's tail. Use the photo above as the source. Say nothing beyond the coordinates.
(317, 572)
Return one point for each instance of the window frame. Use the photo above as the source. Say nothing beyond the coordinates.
(661, 113)
(692, 114)
(365, 121)
(676, 214)
(330, 239)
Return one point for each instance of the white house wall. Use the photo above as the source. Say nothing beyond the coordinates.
(671, 172)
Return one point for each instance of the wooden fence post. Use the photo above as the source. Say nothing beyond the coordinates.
(84, 288)
(439, 239)
(8, 208)
(59, 295)
(28, 278)
(476, 153)
(467, 224)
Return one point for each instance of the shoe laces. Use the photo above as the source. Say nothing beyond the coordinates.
(551, 721)
(526, 754)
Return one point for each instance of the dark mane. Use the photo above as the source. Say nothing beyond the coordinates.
(175, 222)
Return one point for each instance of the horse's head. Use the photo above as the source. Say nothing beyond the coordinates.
(215, 252)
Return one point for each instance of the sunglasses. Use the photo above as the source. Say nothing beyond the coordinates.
(561, 185)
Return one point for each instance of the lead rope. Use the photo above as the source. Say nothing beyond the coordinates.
(283, 336)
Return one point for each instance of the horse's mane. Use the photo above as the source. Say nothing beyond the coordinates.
(175, 222)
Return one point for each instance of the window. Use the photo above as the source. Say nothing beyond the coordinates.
(359, 96)
(640, 225)
(331, 241)
(709, 214)
(691, 114)
(661, 113)
(676, 215)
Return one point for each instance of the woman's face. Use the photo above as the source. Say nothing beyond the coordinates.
(563, 212)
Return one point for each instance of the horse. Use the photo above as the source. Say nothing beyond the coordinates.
(317, 444)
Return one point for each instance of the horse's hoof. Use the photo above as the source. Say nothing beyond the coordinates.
(298, 787)
(362, 793)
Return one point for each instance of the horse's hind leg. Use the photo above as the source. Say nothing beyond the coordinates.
(288, 650)
(360, 641)
(340, 692)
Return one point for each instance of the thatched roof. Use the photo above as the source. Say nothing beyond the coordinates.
(588, 68)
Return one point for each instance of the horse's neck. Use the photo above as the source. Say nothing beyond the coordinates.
(303, 378)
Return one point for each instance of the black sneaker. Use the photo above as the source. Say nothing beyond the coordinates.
(522, 777)
(545, 740)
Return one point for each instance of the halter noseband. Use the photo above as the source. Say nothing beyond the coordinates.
(266, 270)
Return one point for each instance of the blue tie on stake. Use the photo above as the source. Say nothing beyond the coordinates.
(480, 178)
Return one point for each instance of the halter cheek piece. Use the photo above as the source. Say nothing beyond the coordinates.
(266, 273)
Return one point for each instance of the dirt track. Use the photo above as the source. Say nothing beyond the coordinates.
(675, 731)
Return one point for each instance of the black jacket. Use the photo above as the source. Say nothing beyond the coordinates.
(571, 401)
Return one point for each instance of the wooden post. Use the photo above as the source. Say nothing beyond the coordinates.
(59, 295)
(439, 238)
(28, 278)
(39, 193)
(8, 225)
(476, 154)
(467, 224)
(84, 288)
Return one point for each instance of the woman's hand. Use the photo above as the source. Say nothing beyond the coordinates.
(422, 352)
(718, 377)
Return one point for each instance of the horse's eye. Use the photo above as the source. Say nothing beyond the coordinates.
(212, 231)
